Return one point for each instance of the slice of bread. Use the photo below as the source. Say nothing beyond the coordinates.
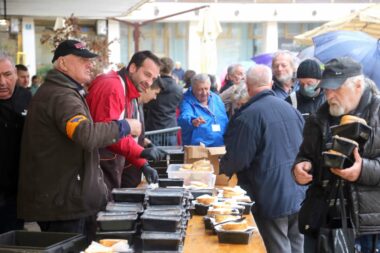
(205, 199)
(111, 242)
(234, 226)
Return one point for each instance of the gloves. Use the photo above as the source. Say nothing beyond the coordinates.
(153, 153)
(150, 174)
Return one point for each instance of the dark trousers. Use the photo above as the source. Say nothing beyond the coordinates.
(8, 215)
(131, 176)
(85, 226)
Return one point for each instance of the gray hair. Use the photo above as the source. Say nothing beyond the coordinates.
(5, 57)
(231, 69)
(294, 60)
(200, 78)
(259, 75)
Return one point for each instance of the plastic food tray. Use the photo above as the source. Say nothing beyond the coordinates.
(41, 242)
(160, 223)
(189, 176)
(116, 222)
(354, 131)
(160, 241)
(128, 194)
(336, 160)
(170, 182)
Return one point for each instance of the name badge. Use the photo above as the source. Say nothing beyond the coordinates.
(215, 127)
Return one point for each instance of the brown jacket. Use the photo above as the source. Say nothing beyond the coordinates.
(60, 178)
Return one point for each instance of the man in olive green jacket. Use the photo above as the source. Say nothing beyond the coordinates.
(60, 182)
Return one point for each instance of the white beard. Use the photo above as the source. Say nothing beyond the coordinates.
(336, 110)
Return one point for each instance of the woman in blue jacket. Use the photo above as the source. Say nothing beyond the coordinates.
(203, 117)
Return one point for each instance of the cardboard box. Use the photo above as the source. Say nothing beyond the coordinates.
(195, 153)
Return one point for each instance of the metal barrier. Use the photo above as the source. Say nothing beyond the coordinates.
(164, 137)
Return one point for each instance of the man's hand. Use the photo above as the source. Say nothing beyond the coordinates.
(135, 126)
(153, 153)
(301, 172)
(198, 121)
(150, 174)
(352, 173)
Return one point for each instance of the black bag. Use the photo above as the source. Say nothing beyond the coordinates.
(313, 210)
(337, 239)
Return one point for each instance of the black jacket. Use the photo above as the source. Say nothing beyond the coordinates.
(307, 105)
(12, 116)
(364, 194)
(161, 113)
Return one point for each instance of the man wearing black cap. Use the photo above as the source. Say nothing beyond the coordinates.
(309, 97)
(346, 94)
(60, 182)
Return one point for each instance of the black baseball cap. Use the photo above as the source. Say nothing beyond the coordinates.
(337, 71)
(74, 47)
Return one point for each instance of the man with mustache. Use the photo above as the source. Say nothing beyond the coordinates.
(114, 96)
(60, 183)
(284, 67)
(347, 93)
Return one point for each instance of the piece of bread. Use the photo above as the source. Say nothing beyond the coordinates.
(202, 162)
(198, 184)
(214, 211)
(233, 226)
(331, 151)
(111, 242)
(98, 248)
(224, 217)
(347, 119)
(243, 198)
(186, 166)
(222, 205)
(205, 199)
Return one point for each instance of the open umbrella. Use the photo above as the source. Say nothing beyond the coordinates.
(265, 58)
(357, 45)
(366, 20)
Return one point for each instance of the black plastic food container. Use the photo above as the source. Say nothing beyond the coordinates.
(127, 235)
(199, 192)
(201, 209)
(164, 212)
(234, 237)
(159, 241)
(346, 147)
(129, 194)
(336, 160)
(116, 222)
(169, 182)
(247, 206)
(355, 131)
(41, 242)
(208, 223)
(124, 207)
(160, 223)
(159, 197)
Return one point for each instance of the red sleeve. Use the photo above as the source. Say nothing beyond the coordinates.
(106, 101)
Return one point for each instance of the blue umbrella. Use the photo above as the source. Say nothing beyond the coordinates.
(357, 45)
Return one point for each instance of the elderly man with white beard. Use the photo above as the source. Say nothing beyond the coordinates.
(347, 93)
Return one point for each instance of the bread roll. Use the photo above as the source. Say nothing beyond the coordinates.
(224, 217)
(347, 119)
(233, 226)
(214, 211)
(205, 199)
(98, 248)
(243, 198)
(331, 151)
(111, 242)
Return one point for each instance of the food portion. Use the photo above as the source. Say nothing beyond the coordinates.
(224, 217)
(201, 165)
(333, 152)
(347, 119)
(235, 226)
(108, 246)
(206, 199)
(230, 192)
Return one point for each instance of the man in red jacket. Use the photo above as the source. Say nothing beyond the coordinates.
(114, 96)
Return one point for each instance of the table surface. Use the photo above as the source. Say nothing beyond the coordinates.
(200, 240)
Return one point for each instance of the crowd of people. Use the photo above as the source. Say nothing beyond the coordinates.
(65, 144)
